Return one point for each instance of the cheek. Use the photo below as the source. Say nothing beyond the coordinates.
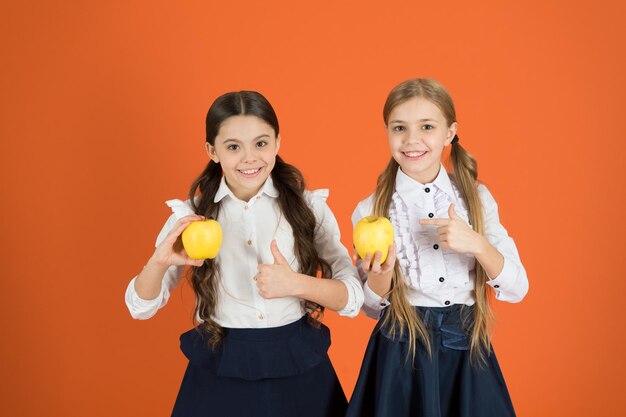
(394, 142)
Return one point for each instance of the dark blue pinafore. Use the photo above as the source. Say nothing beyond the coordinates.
(272, 372)
(445, 385)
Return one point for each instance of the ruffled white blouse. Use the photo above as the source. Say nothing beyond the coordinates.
(439, 277)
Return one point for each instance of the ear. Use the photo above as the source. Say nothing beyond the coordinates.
(451, 132)
(210, 150)
(277, 143)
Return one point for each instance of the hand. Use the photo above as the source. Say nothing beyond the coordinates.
(379, 276)
(171, 251)
(277, 280)
(455, 234)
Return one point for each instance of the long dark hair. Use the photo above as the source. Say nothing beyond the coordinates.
(289, 182)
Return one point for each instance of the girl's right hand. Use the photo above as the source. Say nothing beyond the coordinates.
(171, 250)
(379, 276)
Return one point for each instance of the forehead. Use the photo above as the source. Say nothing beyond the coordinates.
(416, 108)
(244, 127)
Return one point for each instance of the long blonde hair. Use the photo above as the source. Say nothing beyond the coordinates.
(401, 316)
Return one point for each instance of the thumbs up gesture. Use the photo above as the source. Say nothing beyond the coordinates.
(278, 279)
(455, 234)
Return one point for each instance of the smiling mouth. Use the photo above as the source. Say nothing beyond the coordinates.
(414, 154)
(249, 173)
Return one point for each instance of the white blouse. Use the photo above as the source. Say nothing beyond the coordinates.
(439, 277)
(248, 229)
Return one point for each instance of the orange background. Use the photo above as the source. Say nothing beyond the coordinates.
(103, 107)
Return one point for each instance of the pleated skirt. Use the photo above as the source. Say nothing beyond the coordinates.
(279, 372)
(445, 385)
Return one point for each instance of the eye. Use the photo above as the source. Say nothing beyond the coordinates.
(428, 127)
(261, 144)
(399, 128)
(232, 147)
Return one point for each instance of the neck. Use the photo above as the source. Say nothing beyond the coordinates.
(424, 177)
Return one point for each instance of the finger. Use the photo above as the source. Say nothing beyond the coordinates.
(452, 213)
(367, 262)
(279, 259)
(193, 217)
(181, 225)
(391, 258)
(194, 262)
(435, 222)
(376, 264)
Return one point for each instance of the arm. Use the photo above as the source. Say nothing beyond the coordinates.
(508, 276)
(149, 291)
(495, 251)
(375, 278)
(343, 293)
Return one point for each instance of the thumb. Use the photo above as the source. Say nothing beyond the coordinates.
(451, 213)
(279, 259)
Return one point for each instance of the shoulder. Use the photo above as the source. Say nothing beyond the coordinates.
(364, 208)
(485, 196)
(316, 200)
(318, 196)
(181, 208)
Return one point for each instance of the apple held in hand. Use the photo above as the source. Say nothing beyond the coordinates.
(372, 234)
(202, 239)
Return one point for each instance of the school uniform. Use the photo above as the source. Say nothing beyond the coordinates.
(272, 360)
(441, 286)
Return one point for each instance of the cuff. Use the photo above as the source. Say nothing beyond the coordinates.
(140, 308)
(373, 301)
(351, 309)
(504, 280)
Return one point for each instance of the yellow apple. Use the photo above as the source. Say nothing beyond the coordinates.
(372, 234)
(202, 239)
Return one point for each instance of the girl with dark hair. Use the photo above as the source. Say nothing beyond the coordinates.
(430, 354)
(259, 348)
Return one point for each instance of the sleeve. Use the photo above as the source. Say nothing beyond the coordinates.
(373, 304)
(329, 247)
(144, 309)
(511, 284)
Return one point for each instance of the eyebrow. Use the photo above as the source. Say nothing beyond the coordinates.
(239, 141)
(420, 120)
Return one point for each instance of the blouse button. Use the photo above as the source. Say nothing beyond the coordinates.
(496, 286)
(249, 243)
(245, 207)
(431, 215)
(261, 316)
(427, 189)
(447, 303)
(435, 246)
(441, 279)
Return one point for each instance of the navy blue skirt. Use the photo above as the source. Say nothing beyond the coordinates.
(280, 372)
(442, 386)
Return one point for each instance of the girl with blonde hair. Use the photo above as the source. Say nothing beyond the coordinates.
(430, 354)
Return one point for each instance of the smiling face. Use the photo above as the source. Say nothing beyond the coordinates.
(246, 147)
(418, 132)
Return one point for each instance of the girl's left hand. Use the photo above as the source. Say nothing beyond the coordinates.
(455, 233)
(277, 280)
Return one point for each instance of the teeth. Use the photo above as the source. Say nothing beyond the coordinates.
(249, 171)
(414, 154)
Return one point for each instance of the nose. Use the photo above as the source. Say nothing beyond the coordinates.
(413, 136)
(250, 155)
